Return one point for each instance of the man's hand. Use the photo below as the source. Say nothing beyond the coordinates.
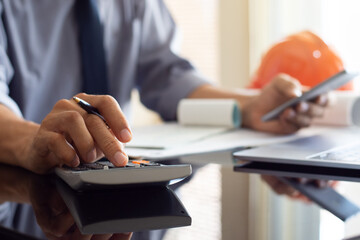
(69, 134)
(278, 91)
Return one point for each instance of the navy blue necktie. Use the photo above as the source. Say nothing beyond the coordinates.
(94, 70)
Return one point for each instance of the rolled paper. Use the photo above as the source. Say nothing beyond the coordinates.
(209, 112)
(343, 110)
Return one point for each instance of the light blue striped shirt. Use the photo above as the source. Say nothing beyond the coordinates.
(40, 58)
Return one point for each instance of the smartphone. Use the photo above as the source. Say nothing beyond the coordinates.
(332, 83)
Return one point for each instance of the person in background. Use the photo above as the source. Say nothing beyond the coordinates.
(307, 58)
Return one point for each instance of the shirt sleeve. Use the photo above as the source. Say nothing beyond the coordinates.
(6, 71)
(163, 77)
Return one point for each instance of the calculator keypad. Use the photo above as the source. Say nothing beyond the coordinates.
(105, 165)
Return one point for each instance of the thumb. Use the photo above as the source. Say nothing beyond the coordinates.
(287, 86)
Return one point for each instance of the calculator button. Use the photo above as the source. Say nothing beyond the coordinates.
(107, 163)
(140, 161)
(93, 165)
(130, 164)
(151, 164)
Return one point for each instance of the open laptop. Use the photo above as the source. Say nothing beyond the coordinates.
(338, 148)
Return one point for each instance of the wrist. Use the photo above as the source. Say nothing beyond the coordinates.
(246, 117)
(17, 141)
(245, 108)
(22, 156)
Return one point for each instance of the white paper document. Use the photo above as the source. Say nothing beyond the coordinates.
(198, 119)
(170, 135)
(217, 142)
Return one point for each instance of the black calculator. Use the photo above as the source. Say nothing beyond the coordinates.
(103, 174)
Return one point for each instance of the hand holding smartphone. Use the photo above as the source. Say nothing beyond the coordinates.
(330, 84)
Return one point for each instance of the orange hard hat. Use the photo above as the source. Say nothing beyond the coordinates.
(304, 56)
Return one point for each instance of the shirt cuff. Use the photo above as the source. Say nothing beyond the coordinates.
(9, 102)
(4, 212)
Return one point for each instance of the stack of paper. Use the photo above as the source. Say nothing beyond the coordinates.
(216, 142)
(169, 135)
(198, 119)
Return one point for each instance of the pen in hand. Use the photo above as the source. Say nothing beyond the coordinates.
(111, 147)
(88, 108)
